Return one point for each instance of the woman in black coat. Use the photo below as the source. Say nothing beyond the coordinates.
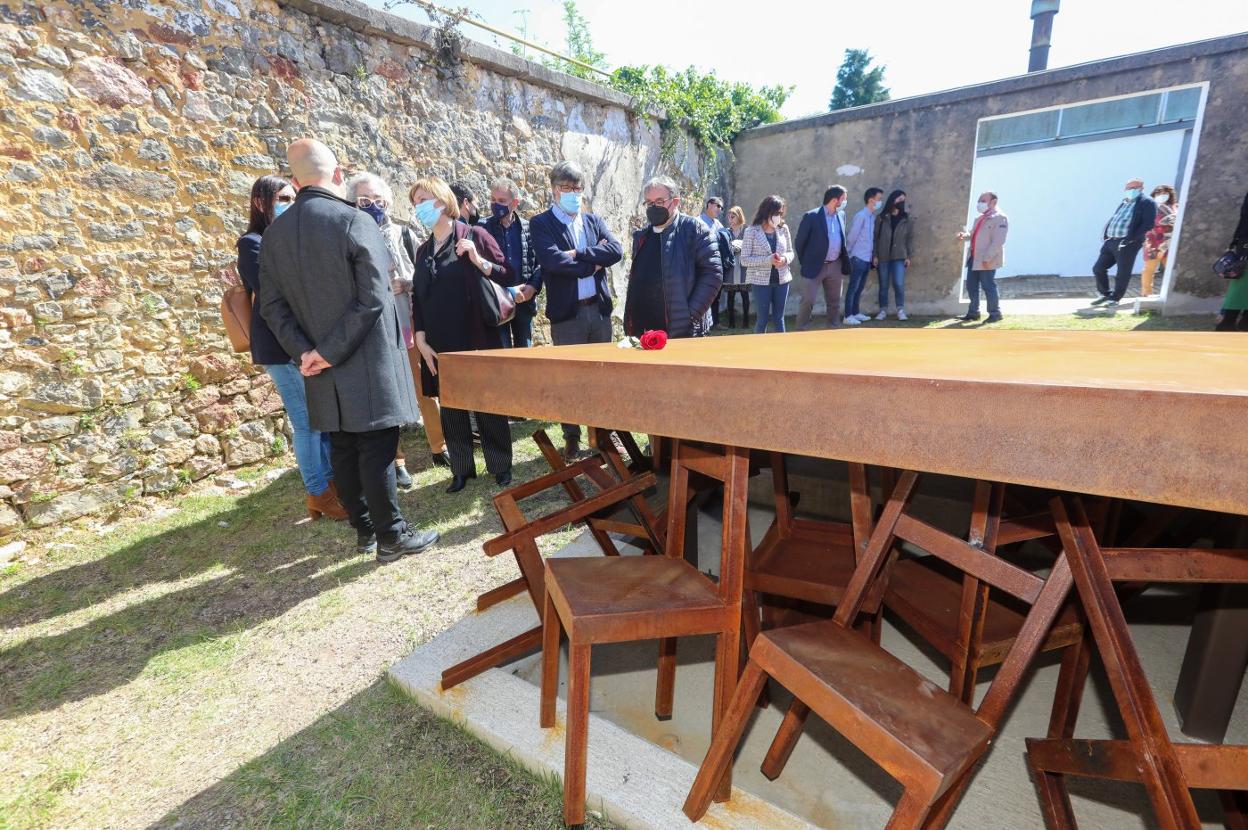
(447, 317)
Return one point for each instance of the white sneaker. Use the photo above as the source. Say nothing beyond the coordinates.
(883, 315)
(852, 320)
(862, 318)
(901, 314)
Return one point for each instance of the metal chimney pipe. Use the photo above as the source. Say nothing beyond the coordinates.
(1042, 12)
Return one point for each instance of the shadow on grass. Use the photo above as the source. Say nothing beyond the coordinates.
(257, 567)
(377, 761)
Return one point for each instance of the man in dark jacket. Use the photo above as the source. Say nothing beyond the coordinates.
(512, 235)
(676, 271)
(574, 249)
(821, 251)
(325, 292)
(1123, 236)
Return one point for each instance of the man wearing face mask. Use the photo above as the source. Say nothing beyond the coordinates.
(858, 244)
(676, 273)
(522, 275)
(467, 204)
(821, 251)
(1123, 237)
(325, 292)
(574, 249)
(984, 256)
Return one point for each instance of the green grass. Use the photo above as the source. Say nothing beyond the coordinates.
(219, 664)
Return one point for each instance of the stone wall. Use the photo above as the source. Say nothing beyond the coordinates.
(130, 134)
(926, 145)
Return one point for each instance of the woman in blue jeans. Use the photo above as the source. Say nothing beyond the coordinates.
(892, 250)
(766, 252)
(270, 196)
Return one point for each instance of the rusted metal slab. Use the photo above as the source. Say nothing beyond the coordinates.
(1156, 416)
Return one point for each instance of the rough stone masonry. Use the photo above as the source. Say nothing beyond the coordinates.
(130, 134)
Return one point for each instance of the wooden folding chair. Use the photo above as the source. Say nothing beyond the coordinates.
(521, 539)
(1166, 769)
(620, 599)
(926, 738)
(956, 614)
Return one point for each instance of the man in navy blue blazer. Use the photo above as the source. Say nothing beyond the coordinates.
(574, 249)
(820, 248)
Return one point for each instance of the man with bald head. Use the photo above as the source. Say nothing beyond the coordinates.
(1123, 237)
(325, 292)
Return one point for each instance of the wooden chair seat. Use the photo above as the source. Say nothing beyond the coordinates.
(927, 595)
(814, 563)
(898, 712)
(619, 599)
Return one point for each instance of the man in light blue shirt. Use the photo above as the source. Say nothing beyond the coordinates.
(710, 213)
(859, 242)
(820, 247)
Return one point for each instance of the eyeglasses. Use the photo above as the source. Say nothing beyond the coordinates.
(570, 188)
(365, 202)
(657, 203)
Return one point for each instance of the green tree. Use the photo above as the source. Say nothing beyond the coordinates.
(579, 44)
(857, 82)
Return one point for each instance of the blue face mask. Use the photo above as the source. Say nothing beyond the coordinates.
(570, 202)
(1133, 192)
(428, 213)
(279, 208)
(377, 213)
(875, 208)
(499, 210)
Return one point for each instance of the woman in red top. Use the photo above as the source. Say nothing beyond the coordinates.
(1157, 240)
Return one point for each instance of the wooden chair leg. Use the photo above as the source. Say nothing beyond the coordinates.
(665, 688)
(786, 738)
(550, 663)
(724, 742)
(910, 812)
(576, 740)
(1069, 695)
(751, 627)
(727, 668)
(1234, 809)
(1055, 804)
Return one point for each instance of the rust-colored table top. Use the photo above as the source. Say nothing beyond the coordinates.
(1156, 416)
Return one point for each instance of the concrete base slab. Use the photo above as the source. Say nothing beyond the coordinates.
(640, 769)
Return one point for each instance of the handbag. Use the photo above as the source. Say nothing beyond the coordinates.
(498, 307)
(1230, 266)
(236, 315)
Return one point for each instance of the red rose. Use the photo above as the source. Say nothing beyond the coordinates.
(654, 340)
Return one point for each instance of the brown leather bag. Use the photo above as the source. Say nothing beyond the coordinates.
(236, 314)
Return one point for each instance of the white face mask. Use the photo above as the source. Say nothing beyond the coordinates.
(982, 207)
(1162, 198)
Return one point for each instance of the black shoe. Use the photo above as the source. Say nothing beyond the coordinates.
(457, 483)
(405, 544)
(969, 317)
(365, 541)
(993, 318)
(1102, 300)
(441, 459)
(503, 478)
(516, 419)
(402, 477)
(1110, 302)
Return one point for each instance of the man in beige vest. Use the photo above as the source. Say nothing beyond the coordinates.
(984, 256)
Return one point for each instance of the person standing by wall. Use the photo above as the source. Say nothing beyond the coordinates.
(511, 234)
(325, 292)
(574, 249)
(675, 273)
(467, 203)
(858, 244)
(447, 317)
(711, 211)
(985, 255)
(270, 197)
(766, 252)
(1157, 240)
(894, 233)
(1234, 314)
(821, 251)
(1122, 238)
(736, 276)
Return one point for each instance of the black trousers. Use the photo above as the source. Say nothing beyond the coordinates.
(495, 441)
(1123, 258)
(1231, 319)
(363, 465)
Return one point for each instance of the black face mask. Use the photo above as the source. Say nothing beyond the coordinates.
(656, 215)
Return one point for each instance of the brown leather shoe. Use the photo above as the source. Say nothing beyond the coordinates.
(326, 504)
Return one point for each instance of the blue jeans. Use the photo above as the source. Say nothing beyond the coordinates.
(770, 300)
(892, 271)
(311, 447)
(858, 271)
(518, 333)
(988, 279)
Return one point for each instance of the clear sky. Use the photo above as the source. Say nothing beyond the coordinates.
(926, 45)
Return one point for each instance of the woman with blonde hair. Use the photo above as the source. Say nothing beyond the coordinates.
(766, 253)
(1157, 240)
(447, 317)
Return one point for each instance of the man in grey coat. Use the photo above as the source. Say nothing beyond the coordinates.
(325, 293)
